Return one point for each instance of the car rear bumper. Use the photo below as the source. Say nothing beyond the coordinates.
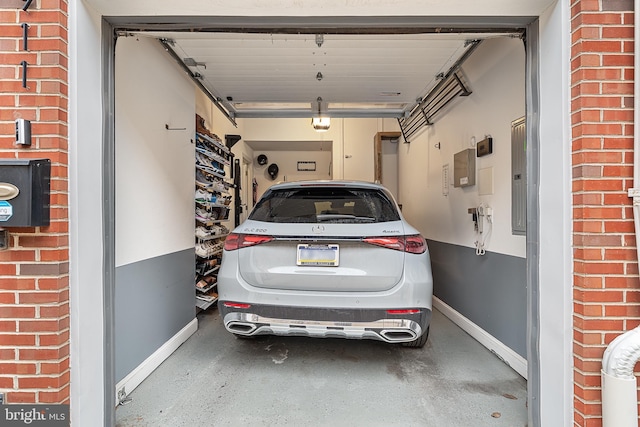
(373, 324)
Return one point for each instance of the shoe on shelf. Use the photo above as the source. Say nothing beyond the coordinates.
(202, 232)
(202, 195)
(202, 215)
(202, 179)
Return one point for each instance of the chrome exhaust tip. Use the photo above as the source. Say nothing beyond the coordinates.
(241, 328)
(403, 335)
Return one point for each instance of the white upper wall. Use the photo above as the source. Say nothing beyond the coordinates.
(495, 74)
(154, 166)
(287, 162)
(352, 141)
(322, 8)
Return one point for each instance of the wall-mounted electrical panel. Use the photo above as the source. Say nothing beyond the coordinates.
(464, 168)
(24, 192)
(484, 147)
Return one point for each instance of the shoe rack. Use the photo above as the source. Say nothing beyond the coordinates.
(212, 199)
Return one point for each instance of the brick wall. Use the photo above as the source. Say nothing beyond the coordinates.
(606, 289)
(34, 279)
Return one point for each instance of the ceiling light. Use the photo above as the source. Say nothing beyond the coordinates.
(320, 123)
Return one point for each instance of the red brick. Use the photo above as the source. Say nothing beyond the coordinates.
(61, 396)
(600, 46)
(591, 310)
(588, 282)
(617, 88)
(16, 312)
(597, 240)
(622, 59)
(588, 226)
(589, 254)
(619, 227)
(595, 296)
(39, 297)
(44, 16)
(603, 185)
(53, 283)
(622, 310)
(600, 324)
(14, 340)
(17, 368)
(599, 267)
(8, 326)
(38, 382)
(54, 367)
(613, 32)
(21, 397)
(43, 241)
(15, 283)
(7, 298)
(39, 354)
(600, 19)
(39, 325)
(55, 311)
(6, 382)
(597, 212)
(53, 340)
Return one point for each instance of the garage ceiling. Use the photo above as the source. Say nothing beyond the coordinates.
(268, 74)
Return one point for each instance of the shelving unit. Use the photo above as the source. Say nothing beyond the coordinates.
(213, 199)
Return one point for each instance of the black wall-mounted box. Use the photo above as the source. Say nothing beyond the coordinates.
(484, 147)
(31, 206)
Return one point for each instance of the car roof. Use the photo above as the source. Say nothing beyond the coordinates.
(326, 183)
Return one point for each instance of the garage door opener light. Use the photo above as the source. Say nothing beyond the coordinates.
(320, 123)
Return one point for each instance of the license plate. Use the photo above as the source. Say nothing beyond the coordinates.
(318, 255)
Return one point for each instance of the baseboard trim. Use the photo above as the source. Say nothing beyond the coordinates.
(140, 373)
(504, 353)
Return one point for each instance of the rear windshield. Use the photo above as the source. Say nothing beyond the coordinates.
(328, 204)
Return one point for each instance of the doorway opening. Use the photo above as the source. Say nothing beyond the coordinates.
(245, 176)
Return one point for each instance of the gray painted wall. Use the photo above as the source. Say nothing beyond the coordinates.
(489, 290)
(154, 300)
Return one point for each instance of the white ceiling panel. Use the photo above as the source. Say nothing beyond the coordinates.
(254, 73)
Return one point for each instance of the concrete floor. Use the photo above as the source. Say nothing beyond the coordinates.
(214, 379)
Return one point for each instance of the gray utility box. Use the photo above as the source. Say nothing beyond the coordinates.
(24, 192)
(464, 168)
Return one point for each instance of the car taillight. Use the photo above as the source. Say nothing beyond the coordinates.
(230, 304)
(238, 241)
(411, 244)
(407, 311)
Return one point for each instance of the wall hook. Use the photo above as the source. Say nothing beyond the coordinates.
(24, 65)
(25, 36)
(166, 126)
(437, 145)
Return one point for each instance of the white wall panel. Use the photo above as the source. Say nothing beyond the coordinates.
(154, 166)
(495, 73)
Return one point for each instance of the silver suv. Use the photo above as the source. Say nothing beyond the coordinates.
(327, 259)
